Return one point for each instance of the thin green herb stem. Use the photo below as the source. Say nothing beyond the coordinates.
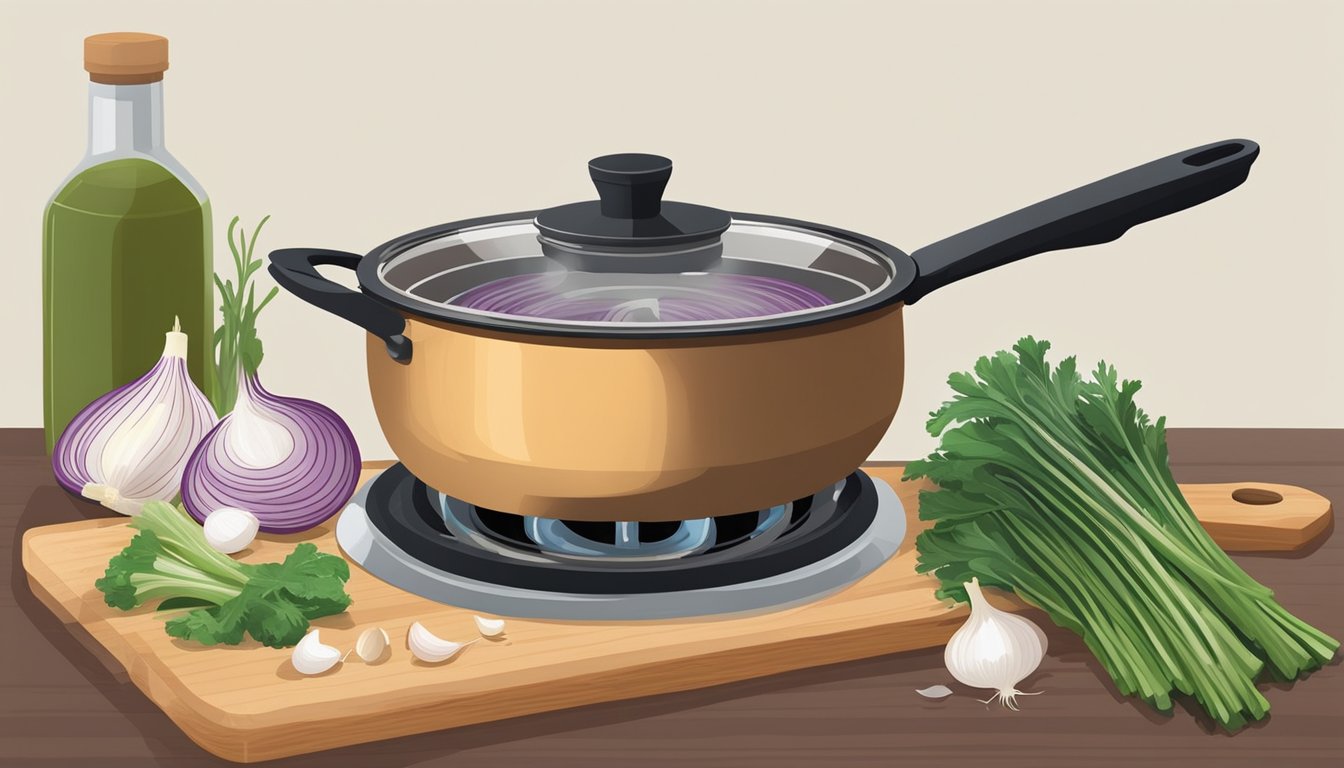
(1206, 630)
(1123, 606)
(238, 351)
(1166, 545)
(1122, 569)
(150, 587)
(1125, 647)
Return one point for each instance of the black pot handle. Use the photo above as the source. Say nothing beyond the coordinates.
(295, 270)
(1097, 213)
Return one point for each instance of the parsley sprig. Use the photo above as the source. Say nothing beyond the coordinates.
(169, 562)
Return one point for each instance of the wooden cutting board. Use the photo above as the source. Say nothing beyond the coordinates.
(246, 703)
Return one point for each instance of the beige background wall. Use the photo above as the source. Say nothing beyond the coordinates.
(352, 122)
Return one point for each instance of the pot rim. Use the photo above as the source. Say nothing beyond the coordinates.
(904, 272)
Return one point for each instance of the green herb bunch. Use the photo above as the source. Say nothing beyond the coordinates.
(1059, 489)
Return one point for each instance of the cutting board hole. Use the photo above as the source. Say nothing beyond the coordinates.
(1256, 496)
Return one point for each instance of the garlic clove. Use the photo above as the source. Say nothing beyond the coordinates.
(311, 657)
(428, 647)
(229, 529)
(371, 644)
(489, 627)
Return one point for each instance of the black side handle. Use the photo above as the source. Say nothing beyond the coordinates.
(295, 270)
(1097, 213)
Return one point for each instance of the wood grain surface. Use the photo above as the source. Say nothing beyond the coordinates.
(61, 705)
(245, 703)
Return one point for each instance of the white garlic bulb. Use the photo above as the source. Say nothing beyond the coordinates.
(311, 657)
(229, 529)
(994, 649)
(428, 647)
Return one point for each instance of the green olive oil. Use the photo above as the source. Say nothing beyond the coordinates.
(126, 249)
(125, 242)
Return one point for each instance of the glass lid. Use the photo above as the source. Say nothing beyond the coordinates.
(631, 262)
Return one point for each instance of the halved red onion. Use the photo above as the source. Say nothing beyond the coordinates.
(291, 462)
(131, 445)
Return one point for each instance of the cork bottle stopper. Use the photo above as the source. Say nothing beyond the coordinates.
(125, 58)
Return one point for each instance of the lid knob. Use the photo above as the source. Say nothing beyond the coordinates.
(631, 228)
(630, 186)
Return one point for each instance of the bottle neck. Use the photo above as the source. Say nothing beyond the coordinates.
(126, 119)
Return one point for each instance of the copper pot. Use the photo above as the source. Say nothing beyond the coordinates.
(650, 419)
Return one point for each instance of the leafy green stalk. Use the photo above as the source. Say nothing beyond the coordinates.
(238, 351)
(1059, 490)
(169, 560)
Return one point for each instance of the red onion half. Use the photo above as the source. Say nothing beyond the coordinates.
(131, 445)
(293, 463)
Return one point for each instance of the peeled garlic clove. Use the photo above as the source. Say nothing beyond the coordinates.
(426, 646)
(489, 627)
(311, 657)
(371, 644)
(229, 529)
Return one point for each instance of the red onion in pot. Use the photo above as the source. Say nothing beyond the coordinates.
(291, 462)
(697, 297)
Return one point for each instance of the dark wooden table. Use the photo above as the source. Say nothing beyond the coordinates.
(60, 706)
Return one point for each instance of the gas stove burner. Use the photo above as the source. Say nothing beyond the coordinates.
(608, 542)
(628, 540)
(453, 552)
(621, 542)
